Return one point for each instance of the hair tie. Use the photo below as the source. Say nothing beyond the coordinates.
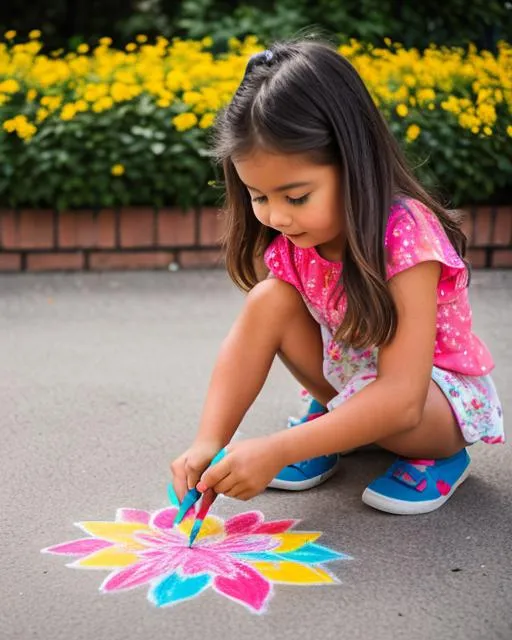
(258, 59)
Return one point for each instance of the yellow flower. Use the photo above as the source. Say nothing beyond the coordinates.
(141, 38)
(207, 120)
(105, 42)
(9, 86)
(131, 46)
(487, 113)
(117, 170)
(488, 131)
(20, 125)
(9, 126)
(68, 112)
(31, 95)
(82, 48)
(413, 131)
(41, 114)
(207, 42)
(234, 44)
(509, 130)
(184, 121)
(10, 35)
(35, 34)
(103, 104)
(402, 110)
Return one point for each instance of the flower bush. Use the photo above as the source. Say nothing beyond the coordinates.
(108, 127)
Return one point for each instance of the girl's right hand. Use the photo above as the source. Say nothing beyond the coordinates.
(188, 468)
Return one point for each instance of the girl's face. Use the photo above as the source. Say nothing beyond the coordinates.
(300, 199)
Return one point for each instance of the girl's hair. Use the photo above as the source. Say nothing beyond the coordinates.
(303, 97)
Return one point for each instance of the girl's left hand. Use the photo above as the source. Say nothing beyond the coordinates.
(245, 471)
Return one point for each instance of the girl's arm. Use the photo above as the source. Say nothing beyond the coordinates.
(395, 401)
(240, 371)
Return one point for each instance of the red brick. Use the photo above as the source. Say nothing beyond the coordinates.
(476, 257)
(176, 227)
(128, 260)
(10, 262)
(503, 227)
(55, 261)
(137, 227)
(201, 259)
(483, 226)
(211, 226)
(87, 229)
(28, 229)
(467, 225)
(502, 258)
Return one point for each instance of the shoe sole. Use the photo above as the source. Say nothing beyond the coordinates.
(302, 485)
(404, 507)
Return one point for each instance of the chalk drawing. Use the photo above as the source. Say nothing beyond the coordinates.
(240, 558)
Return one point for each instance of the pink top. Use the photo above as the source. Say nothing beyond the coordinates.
(413, 234)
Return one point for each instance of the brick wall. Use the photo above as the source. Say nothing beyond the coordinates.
(142, 238)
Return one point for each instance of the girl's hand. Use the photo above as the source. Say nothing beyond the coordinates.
(245, 471)
(187, 468)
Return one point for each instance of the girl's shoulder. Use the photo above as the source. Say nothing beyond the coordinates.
(415, 234)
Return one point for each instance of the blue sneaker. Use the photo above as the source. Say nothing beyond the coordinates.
(406, 489)
(308, 473)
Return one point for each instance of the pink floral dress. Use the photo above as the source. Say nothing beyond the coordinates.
(462, 362)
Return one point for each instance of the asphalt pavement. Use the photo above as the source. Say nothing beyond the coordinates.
(102, 379)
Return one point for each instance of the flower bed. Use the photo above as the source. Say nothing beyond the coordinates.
(106, 127)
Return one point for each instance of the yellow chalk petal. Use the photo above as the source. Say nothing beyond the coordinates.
(110, 558)
(292, 541)
(292, 573)
(211, 527)
(117, 532)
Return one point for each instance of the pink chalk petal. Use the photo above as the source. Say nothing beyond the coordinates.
(279, 526)
(132, 515)
(247, 586)
(82, 547)
(164, 519)
(443, 487)
(244, 544)
(133, 576)
(198, 562)
(244, 523)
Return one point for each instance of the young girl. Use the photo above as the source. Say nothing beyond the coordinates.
(363, 295)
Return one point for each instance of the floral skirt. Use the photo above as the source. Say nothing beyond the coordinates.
(473, 399)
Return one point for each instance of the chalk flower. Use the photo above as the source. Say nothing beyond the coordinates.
(240, 558)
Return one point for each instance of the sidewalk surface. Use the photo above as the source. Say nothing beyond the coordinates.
(102, 378)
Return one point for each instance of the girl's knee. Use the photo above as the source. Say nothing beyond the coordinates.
(276, 296)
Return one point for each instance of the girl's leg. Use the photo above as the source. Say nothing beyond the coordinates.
(274, 320)
(437, 435)
(301, 347)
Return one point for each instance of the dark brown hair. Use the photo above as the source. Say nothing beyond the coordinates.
(303, 97)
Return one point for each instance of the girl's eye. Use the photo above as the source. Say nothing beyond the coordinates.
(259, 199)
(297, 201)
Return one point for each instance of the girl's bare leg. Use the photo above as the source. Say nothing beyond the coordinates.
(274, 320)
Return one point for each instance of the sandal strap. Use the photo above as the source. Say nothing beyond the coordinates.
(409, 475)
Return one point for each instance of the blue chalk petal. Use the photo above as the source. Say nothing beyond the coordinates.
(175, 588)
(262, 556)
(309, 554)
(173, 498)
(314, 554)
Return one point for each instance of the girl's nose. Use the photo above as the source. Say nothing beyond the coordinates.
(279, 219)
